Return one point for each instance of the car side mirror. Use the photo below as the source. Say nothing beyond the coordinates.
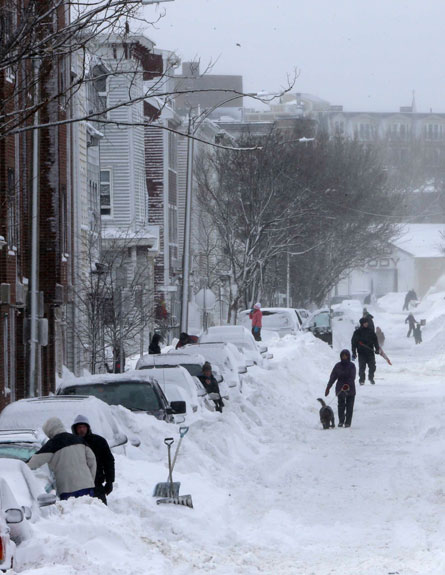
(249, 362)
(178, 406)
(45, 499)
(242, 369)
(135, 441)
(13, 516)
(263, 348)
(269, 356)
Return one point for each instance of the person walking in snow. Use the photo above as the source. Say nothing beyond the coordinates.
(417, 332)
(411, 321)
(256, 315)
(410, 296)
(104, 457)
(154, 347)
(69, 458)
(343, 375)
(369, 318)
(364, 341)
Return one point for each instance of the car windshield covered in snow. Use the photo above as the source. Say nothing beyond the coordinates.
(132, 395)
(19, 444)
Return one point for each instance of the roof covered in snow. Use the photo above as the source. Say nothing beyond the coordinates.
(422, 240)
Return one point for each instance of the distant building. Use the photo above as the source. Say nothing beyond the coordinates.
(415, 260)
(205, 90)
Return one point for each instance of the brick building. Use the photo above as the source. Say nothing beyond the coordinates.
(18, 172)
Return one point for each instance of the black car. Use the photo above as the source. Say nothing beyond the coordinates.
(134, 391)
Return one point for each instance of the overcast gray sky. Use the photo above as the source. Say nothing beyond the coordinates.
(364, 54)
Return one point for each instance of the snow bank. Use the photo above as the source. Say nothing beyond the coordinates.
(134, 535)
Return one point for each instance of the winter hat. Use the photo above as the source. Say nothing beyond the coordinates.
(257, 305)
(363, 320)
(207, 366)
(53, 426)
(80, 419)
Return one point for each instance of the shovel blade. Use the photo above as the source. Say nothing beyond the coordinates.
(167, 489)
(185, 500)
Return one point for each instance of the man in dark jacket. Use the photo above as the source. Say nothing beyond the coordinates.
(154, 347)
(211, 385)
(369, 318)
(365, 342)
(344, 374)
(104, 457)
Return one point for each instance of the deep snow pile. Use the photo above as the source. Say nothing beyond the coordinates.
(134, 535)
(273, 492)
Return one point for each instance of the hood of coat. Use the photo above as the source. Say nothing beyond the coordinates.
(53, 426)
(347, 353)
(81, 419)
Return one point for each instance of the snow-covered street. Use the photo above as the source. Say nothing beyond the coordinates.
(273, 492)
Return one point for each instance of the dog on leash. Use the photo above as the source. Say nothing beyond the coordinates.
(327, 417)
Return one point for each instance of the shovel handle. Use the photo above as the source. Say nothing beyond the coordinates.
(168, 441)
(183, 430)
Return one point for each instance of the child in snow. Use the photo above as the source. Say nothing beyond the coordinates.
(417, 333)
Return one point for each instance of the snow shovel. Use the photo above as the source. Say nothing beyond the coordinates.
(167, 488)
(170, 491)
(182, 431)
(381, 352)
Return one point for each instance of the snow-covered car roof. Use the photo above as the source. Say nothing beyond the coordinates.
(173, 357)
(133, 375)
(35, 411)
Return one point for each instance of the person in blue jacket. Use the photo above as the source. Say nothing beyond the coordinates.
(343, 375)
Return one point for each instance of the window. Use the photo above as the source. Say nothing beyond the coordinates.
(434, 132)
(101, 86)
(105, 192)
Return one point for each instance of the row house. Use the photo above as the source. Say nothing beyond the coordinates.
(35, 215)
(124, 204)
(163, 173)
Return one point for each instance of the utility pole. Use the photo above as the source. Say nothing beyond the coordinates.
(187, 233)
(33, 348)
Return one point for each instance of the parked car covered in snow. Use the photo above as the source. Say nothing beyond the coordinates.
(319, 324)
(33, 412)
(13, 514)
(303, 314)
(135, 390)
(178, 385)
(281, 320)
(28, 491)
(222, 358)
(9, 517)
(240, 337)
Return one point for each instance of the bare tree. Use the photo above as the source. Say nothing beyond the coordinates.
(247, 198)
(322, 203)
(113, 298)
